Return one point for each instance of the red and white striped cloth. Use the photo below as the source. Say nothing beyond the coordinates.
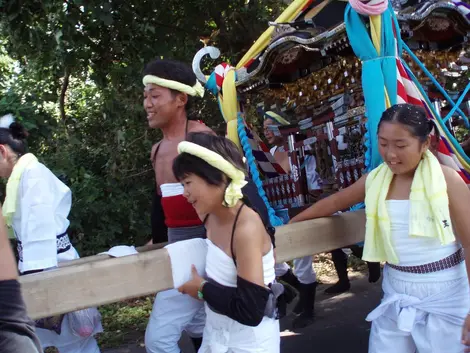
(178, 211)
(220, 72)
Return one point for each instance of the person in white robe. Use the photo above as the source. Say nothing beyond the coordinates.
(36, 210)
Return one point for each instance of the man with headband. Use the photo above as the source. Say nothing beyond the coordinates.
(304, 278)
(170, 87)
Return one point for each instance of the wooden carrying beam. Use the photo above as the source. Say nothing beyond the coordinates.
(106, 281)
(101, 257)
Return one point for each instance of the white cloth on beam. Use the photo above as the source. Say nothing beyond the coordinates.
(120, 251)
(183, 255)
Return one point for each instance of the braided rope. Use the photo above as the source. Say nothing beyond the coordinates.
(251, 161)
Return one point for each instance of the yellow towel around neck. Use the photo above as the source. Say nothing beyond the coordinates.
(9, 206)
(429, 209)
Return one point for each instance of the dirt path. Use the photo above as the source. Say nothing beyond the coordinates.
(340, 325)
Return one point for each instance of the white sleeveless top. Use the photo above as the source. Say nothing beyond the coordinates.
(413, 251)
(221, 268)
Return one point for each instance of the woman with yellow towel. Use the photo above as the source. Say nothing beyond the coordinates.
(417, 222)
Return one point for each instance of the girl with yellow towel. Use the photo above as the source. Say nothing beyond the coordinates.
(417, 222)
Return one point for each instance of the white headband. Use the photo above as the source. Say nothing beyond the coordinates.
(233, 192)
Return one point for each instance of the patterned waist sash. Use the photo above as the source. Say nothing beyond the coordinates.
(443, 264)
(63, 245)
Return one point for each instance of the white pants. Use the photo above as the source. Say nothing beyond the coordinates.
(172, 314)
(303, 270)
(67, 342)
(224, 335)
(416, 316)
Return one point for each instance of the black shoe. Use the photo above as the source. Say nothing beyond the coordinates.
(298, 308)
(374, 271)
(197, 342)
(305, 306)
(338, 288)
(340, 260)
(290, 279)
(289, 293)
(291, 284)
(303, 320)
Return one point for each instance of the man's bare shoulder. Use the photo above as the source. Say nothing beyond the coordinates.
(197, 126)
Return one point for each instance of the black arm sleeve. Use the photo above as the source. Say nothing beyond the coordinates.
(16, 329)
(159, 228)
(246, 303)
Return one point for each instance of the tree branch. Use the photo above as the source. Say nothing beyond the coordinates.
(63, 92)
(137, 174)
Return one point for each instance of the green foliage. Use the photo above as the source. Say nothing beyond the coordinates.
(71, 71)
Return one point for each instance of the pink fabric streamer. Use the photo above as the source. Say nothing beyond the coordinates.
(369, 8)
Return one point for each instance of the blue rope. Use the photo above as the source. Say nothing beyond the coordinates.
(397, 30)
(449, 136)
(368, 151)
(275, 220)
(437, 84)
(457, 105)
(358, 206)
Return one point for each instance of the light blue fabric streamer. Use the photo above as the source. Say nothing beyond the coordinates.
(378, 70)
(211, 85)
